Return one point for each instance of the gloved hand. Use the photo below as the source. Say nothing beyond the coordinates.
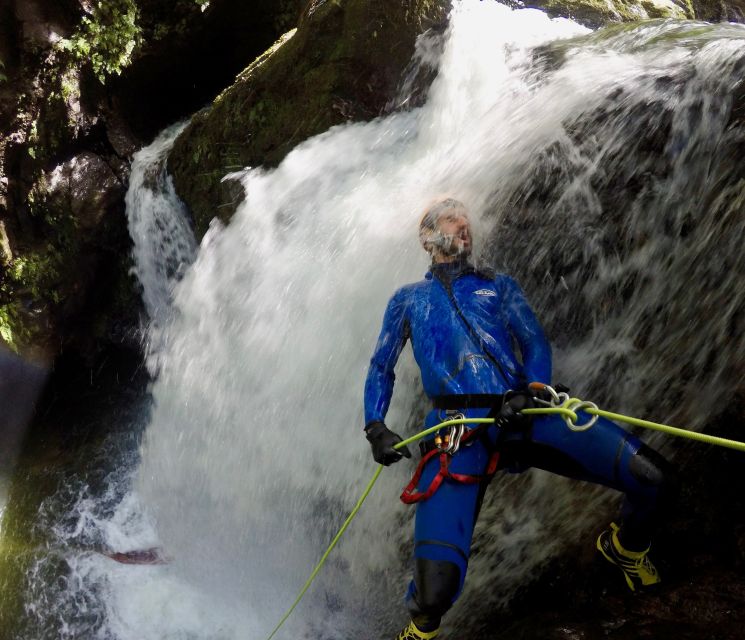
(382, 439)
(512, 404)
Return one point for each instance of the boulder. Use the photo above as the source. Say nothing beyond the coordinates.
(596, 13)
(85, 186)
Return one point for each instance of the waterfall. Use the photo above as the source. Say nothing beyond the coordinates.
(254, 452)
(164, 244)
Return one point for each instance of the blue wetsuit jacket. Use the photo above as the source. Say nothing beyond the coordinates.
(448, 353)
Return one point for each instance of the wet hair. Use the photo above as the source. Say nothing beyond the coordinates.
(435, 211)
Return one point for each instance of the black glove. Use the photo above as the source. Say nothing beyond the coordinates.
(512, 404)
(382, 439)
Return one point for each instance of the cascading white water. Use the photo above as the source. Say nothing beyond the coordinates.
(254, 453)
(164, 244)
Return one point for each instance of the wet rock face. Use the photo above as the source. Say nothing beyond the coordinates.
(191, 55)
(86, 186)
(730, 11)
(343, 64)
(698, 551)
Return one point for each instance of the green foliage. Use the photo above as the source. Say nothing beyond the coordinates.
(106, 37)
(3, 77)
(38, 273)
(69, 87)
(7, 322)
(33, 278)
(203, 4)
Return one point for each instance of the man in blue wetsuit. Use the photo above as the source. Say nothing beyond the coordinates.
(462, 324)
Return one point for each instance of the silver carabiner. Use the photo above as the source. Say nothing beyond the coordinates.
(557, 399)
(449, 442)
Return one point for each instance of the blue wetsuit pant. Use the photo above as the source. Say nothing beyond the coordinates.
(605, 454)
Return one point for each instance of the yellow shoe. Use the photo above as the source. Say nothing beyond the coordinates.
(636, 566)
(411, 632)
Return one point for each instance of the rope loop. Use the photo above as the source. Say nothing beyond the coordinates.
(575, 405)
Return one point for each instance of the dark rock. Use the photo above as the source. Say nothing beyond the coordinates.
(189, 56)
(85, 186)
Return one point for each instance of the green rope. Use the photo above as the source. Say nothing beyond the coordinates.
(673, 431)
(562, 410)
(646, 424)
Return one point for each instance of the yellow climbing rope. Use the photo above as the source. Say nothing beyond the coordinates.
(567, 408)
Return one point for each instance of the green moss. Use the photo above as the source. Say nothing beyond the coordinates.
(593, 13)
(70, 86)
(38, 273)
(10, 327)
(33, 283)
(106, 37)
(29, 284)
(597, 13)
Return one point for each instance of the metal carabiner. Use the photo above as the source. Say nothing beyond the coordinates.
(557, 399)
(449, 442)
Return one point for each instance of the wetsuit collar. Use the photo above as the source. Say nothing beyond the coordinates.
(449, 271)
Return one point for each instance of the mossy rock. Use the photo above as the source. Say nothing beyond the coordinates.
(596, 13)
(344, 63)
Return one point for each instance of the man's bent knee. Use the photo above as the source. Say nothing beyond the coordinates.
(437, 585)
(650, 469)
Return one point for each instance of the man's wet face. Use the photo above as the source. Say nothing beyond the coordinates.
(455, 236)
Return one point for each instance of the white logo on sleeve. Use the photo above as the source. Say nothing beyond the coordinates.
(485, 292)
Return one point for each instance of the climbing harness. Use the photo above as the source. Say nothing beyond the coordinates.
(560, 404)
(445, 446)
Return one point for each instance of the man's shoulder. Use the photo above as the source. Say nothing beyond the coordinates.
(411, 289)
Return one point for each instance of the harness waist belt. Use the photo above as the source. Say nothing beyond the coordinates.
(468, 401)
